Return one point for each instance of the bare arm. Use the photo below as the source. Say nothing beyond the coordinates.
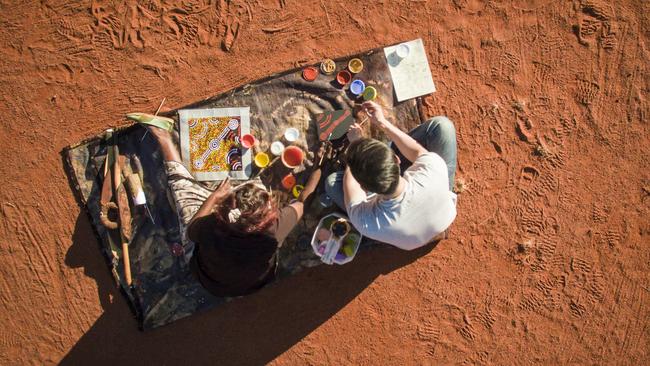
(310, 188)
(352, 191)
(405, 143)
(214, 199)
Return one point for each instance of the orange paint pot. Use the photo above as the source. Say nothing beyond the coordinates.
(288, 181)
(310, 73)
(343, 77)
(292, 156)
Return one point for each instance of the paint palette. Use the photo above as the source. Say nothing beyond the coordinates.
(330, 248)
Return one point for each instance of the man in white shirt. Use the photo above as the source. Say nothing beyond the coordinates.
(408, 210)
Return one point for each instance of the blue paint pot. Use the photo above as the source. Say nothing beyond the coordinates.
(357, 87)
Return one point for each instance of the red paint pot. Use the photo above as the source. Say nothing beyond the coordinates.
(288, 181)
(292, 156)
(310, 73)
(343, 77)
(248, 141)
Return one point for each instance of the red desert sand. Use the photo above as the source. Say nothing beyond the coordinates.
(547, 262)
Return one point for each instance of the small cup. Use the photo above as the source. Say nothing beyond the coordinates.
(292, 157)
(288, 181)
(297, 190)
(355, 65)
(402, 50)
(291, 134)
(310, 73)
(370, 93)
(357, 87)
(248, 141)
(328, 66)
(343, 77)
(277, 148)
(261, 159)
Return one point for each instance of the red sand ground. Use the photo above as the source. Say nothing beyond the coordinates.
(547, 261)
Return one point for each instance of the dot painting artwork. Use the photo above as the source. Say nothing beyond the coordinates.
(211, 142)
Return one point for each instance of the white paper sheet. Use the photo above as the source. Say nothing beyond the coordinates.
(411, 75)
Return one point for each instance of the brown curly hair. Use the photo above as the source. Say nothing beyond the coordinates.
(258, 209)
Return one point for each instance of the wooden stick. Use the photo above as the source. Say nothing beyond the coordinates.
(364, 121)
(155, 114)
(160, 106)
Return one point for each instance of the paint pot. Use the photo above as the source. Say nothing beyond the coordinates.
(357, 86)
(248, 141)
(310, 73)
(292, 156)
(297, 190)
(288, 181)
(343, 77)
(291, 134)
(370, 93)
(355, 65)
(328, 66)
(261, 159)
(403, 50)
(276, 148)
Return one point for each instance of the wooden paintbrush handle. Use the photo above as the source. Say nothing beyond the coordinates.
(127, 263)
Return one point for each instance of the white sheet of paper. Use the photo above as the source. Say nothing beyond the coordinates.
(411, 75)
(186, 114)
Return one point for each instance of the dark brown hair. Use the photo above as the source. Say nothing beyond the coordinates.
(258, 210)
(373, 165)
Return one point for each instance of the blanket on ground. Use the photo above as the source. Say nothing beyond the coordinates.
(163, 288)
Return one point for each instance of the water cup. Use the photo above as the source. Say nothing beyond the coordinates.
(276, 148)
(292, 156)
(291, 134)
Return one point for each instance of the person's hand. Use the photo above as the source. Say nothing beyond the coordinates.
(222, 190)
(375, 112)
(355, 133)
(320, 154)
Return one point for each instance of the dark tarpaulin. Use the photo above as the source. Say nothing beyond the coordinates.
(163, 288)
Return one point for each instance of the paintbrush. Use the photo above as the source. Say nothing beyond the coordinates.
(320, 163)
(155, 114)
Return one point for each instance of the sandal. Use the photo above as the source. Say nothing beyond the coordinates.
(164, 123)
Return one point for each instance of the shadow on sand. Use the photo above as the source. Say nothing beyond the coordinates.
(248, 331)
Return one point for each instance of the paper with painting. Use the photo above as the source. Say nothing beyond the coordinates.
(210, 142)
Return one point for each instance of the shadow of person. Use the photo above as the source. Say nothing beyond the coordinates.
(251, 330)
(85, 252)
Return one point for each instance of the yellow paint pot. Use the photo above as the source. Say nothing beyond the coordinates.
(370, 93)
(261, 159)
(297, 190)
(355, 65)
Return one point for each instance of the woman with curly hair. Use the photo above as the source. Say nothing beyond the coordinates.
(232, 234)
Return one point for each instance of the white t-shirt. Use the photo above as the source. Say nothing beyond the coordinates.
(425, 209)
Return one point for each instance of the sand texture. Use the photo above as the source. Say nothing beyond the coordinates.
(547, 262)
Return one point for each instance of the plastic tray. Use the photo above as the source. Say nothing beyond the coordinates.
(337, 259)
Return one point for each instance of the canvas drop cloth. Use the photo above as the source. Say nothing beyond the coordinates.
(164, 289)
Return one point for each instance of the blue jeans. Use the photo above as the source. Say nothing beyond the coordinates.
(437, 135)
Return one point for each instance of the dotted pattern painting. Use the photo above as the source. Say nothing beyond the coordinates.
(211, 145)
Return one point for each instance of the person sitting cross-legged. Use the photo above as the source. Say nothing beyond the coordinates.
(407, 210)
(233, 234)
